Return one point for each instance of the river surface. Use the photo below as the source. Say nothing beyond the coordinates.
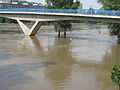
(82, 61)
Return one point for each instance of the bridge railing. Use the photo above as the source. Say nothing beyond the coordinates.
(91, 12)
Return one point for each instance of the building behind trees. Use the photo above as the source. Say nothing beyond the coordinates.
(4, 4)
(11, 4)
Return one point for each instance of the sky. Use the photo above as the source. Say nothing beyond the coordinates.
(86, 3)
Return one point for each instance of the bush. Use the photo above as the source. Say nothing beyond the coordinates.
(115, 74)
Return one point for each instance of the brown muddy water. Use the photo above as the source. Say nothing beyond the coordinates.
(83, 61)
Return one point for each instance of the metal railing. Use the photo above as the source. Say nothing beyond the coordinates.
(92, 12)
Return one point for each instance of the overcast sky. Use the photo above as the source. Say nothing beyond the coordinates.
(86, 3)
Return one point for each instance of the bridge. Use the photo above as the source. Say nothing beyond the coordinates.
(40, 15)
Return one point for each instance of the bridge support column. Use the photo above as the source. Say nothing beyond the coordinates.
(33, 30)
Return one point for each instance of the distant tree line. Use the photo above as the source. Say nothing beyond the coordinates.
(7, 20)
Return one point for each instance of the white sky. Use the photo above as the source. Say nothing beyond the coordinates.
(86, 3)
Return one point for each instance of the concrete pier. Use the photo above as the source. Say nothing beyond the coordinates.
(33, 30)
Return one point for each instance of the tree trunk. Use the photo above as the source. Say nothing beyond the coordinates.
(65, 33)
(59, 33)
(119, 87)
(118, 36)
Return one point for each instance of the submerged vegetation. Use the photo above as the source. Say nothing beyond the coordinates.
(62, 26)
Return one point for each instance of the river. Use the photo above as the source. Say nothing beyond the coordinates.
(82, 61)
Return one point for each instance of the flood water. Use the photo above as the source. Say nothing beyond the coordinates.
(83, 61)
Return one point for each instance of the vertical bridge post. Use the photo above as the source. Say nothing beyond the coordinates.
(28, 31)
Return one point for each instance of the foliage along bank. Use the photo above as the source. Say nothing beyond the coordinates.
(115, 6)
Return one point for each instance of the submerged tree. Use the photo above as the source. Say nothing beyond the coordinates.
(115, 6)
(62, 26)
(115, 74)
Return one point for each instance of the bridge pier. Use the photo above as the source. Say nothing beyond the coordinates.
(27, 30)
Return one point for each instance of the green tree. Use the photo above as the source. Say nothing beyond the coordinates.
(62, 26)
(115, 6)
(115, 74)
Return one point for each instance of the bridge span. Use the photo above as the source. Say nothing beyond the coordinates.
(40, 15)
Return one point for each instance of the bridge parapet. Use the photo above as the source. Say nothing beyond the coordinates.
(93, 12)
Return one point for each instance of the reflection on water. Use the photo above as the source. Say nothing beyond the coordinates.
(51, 63)
(31, 46)
(4, 56)
(59, 75)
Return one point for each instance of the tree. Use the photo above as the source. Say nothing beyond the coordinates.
(115, 74)
(115, 6)
(110, 4)
(62, 26)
